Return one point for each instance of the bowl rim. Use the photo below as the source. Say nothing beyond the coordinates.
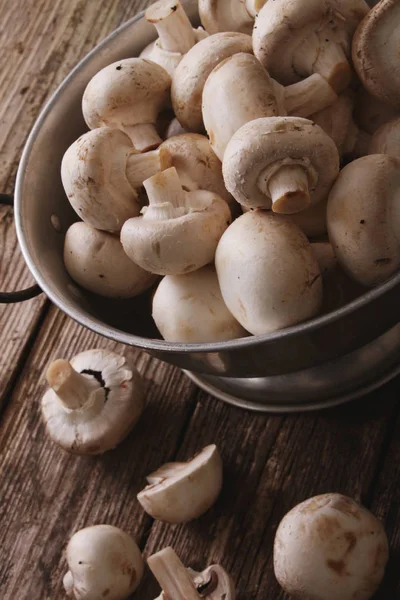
(153, 344)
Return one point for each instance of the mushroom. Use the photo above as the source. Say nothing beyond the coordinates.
(288, 163)
(175, 34)
(93, 402)
(364, 218)
(181, 492)
(296, 39)
(386, 140)
(330, 548)
(97, 262)
(179, 583)
(226, 15)
(239, 90)
(101, 174)
(103, 562)
(375, 52)
(179, 231)
(190, 309)
(191, 74)
(267, 272)
(174, 128)
(370, 113)
(128, 95)
(311, 221)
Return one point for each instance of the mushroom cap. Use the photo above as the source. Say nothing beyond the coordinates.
(93, 172)
(371, 113)
(104, 562)
(364, 218)
(197, 165)
(96, 261)
(191, 74)
(376, 49)
(264, 145)
(225, 15)
(111, 411)
(312, 220)
(182, 244)
(190, 309)
(283, 25)
(180, 492)
(237, 91)
(330, 548)
(268, 274)
(386, 140)
(126, 93)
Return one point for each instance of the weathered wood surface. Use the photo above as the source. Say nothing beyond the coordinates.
(271, 463)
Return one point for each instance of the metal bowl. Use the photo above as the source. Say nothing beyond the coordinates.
(324, 361)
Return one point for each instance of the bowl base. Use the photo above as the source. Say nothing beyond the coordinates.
(324, 386)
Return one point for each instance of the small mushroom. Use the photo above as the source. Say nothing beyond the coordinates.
(191, 74)
(225, 15)
(97, 262)
(330, 548)
(181, 492)
(239, 90)
(267, 272)
(386, 140)
(370, 113)
(190, 309)
(101, 174)
(128, 95)
(104, 562)
(179, 231)
(296, 39)
(93, 402)
(175, 34)
(179, 583)
(376, 50)
(288, 163)
(364, 218)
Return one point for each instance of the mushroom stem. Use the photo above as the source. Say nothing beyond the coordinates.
(144, 136)
(288, 188)
(142, 166)
(166, 196)
(172, 576)
(308, 96)
(71, 387)
(174, 29)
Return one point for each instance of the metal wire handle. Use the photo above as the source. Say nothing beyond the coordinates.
(21, 295)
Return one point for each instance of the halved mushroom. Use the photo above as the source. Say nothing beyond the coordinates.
(191, 74)
(104, 562)
(178, 583)
(101, 174)
(330, 548)
(386, 140)
(239, 90)
(225, 15)
(128, 95)
(370, 113)
(181, 492)
(268, 274)
(179, 231)
(376, 51)
(364, 218)
(97, 262)
(284, 162)
(296, 39)
(93, 402)
(190, 309)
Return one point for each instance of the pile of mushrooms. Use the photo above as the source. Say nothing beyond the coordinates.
(285, 111)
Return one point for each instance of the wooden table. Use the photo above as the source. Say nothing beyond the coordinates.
(271, 462)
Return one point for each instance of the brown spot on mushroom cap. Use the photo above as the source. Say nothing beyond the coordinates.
(338, 566)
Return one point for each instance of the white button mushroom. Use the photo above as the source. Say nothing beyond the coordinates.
(181, 492)
(284, 162)
(376, 52)
(94, 401)
(239, 90)
(104, 562)
(268, 274)
(179, 230)
(96, 261)
(101, 173)
(386, 140)
(190, 309)
(330, 548)
(179, 583)
(364, 218)
(296, 39)
(191, 74)
(226, 15)
(128, 95)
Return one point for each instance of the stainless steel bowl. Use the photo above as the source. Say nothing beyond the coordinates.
(321, 362)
